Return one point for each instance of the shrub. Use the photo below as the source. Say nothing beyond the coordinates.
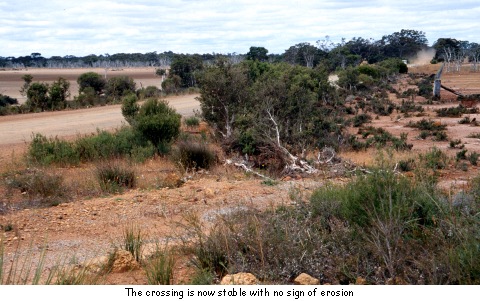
(193, 155)
(435, 159)
(7, 100)
(114, 177)
(473, 158)
(461, 155)
(46, 151)
(192, 121)
(119, 86)
(149, 92)
(361, 119)
(157, 122)
(91, 80)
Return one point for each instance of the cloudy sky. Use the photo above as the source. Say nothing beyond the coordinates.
(82, 27)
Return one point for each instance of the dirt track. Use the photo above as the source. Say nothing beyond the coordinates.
(19, 128)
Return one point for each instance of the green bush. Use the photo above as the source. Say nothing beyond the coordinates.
(114, 177)
(46, 151)
(192, 121)
(434, 159)
(361, 119)
(158, 123)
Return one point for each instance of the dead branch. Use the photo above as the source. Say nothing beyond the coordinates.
(247, 169)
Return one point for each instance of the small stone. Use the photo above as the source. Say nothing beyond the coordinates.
(360, 281)
(239, 279)
(305, 279)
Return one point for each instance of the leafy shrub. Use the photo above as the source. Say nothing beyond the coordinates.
(406, 165)
(46, 151)
(149, 92)
(435, 159)
(119, 86)
(192, 121)
(193, 155)
(113, 177)
(157, 122)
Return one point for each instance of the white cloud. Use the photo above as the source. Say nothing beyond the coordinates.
(54, 27)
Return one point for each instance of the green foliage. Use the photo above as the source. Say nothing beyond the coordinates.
(160, 72)
(91, 80)
(185, 67)
(130, 108)
(192, 121)
(37, 96)
(257, 54)
(425, 88)
(410, 107)
(434, 159)
(125, 142)
(119, 86)
(46, 151)
(172, 84)
(461, 155)
(157, 122)
(114, 177)
(58, 93)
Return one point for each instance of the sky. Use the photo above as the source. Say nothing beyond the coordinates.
(83, 27)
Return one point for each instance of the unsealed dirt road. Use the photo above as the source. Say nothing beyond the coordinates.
(19, 128)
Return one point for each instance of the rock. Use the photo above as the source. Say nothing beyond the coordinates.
(97, 264)
(305, 279)
(360, 281)
(172, 180)
(124, 262)
(209, 193)
(240, 279)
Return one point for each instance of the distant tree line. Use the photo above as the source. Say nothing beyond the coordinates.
(403, 44)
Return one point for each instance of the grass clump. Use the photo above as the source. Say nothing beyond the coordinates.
(38, 185)
(133, 241)
(114, 177)
(191, 154)
(159, 268)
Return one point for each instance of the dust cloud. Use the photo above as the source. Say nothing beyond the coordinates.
(423, 57)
